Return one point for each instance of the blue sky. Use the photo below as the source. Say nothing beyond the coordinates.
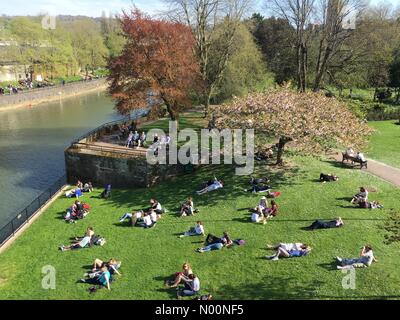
(95, 8)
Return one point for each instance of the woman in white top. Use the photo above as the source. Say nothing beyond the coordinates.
(365, 260)
(198, 230)
(262, 206)
(147, 221)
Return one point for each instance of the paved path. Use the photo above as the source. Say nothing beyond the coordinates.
(379, 169)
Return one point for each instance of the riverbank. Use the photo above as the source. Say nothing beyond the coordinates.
(34, 98)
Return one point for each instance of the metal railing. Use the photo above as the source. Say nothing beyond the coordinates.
(39, 89)
(140, 114)
(25, 215)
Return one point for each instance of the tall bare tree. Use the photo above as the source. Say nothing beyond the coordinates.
(299, 14)
(338, 22)
(203, 16)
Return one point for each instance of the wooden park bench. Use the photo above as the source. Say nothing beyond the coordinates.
(347, 158)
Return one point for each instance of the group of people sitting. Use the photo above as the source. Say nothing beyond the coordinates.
(361, 199)
(146, 218)
(191, 282)
(102, 273)
(263, 212)
(136, 139)
(187, 208)
(356, 155)
(88, 240)
(77, 211)
(79, 189)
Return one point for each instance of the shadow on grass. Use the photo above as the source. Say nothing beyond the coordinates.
(340, 165)
(332, 266)
(271, 287)
(175, 191)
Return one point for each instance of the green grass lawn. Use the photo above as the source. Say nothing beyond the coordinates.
(385, 143)
(150, 256)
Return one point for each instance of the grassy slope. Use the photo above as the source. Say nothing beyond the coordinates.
(385, 143)
(149, 256)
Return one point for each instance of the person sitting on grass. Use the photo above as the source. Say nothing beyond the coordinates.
(156, 206)
(77, 211)
(360, 198)
(85, 242)
(113, 266)
(88, 187)
(191, 287)
(271, 212)
(149, 220)
(365, 260)
(319, 224)
(262, 206)
(213, 243)
(257, 217)
(101, 278)
(180, 277)
(283, 253)
(328, 177)
(187, 208)
(106, 192)
(198, 230)
(77, 193)
(217, 184)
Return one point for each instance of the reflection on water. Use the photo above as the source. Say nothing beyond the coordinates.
(32, 143)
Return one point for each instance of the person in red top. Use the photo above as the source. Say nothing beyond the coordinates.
(271, 212)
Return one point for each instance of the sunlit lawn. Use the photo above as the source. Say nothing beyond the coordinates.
(149, 256)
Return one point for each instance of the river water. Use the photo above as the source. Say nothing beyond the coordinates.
(32, 144)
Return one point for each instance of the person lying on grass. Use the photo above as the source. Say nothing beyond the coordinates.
(361, 197)
(214, 243)
(256, 182)
(287, 246)
(113, 266)
(365, 260)
(187, 208)
(374, 205)
(294, 253)
(101, 278)
(328, 177)
(197, 230)
(191, 287)
(319, 224)
(215, 185)
(85, 242)
(180, 277)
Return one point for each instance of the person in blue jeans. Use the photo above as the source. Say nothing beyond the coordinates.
(217, 243)
(192, 287)
(101, 278)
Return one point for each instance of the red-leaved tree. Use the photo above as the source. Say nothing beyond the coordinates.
(158, 65)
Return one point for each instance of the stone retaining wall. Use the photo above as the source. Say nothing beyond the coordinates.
(50, 93)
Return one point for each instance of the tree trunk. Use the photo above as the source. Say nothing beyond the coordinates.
(173, 114)
(281, 148)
